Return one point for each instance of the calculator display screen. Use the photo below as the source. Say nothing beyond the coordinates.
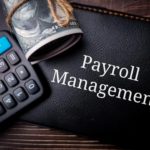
(5, 44)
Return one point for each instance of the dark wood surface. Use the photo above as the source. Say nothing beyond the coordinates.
(26, 136)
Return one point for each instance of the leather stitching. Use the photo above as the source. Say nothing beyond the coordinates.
(110, 12)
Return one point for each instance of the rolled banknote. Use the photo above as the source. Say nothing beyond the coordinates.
(39, 36)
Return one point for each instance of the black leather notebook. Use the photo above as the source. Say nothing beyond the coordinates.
(100, 87)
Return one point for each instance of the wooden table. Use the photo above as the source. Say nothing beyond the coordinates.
(26, 136)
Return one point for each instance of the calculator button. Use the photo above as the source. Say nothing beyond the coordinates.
(22, 72)
(3, 88)
(20, 94)
(3, 66)
(4, 44)
(13, 58)
(11, 80)
(9, 101)
(2, 110)
(32, 87)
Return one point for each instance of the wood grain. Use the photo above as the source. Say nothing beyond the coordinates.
(26, 136)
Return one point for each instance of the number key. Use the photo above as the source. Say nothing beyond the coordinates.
(32, 87)
(11, 80)
(22, 72)
(20, 94)
(9, 101)
(3, 66)
(13, 58)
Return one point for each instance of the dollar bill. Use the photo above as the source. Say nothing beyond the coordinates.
(38, 35)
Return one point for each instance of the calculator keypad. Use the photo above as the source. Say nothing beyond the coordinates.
(12, 80)
(19, 85)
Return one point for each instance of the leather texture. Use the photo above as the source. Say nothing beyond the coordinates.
(110, 39)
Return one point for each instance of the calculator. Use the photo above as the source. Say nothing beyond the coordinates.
(19, 84)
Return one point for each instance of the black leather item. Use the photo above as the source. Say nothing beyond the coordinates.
(112, 40)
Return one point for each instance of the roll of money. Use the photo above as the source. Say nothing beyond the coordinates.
(39, 36)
